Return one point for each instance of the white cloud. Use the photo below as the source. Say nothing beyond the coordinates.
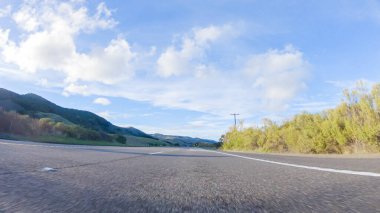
(26, 18)
(76, 89)
(50, 29)
(109, 66)
(6, 11)
(4, 35)
(41, 51)
(64, 16)
(43, 82)
(102, 101)
(188, 57)
(277, 74)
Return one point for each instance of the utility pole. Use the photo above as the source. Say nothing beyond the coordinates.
(235, 114)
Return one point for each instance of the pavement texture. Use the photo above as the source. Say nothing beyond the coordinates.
(124, 179)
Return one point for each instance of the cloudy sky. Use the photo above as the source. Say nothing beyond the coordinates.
(182, 67)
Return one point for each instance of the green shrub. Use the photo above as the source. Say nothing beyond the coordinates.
(121, 139)
(353, 126)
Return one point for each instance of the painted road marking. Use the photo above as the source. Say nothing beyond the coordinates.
(48, 169)
(155, 153)
(350, 172)
(69, 146)
(40, 145)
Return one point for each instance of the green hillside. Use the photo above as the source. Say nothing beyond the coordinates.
(31, 117)
(38, 107)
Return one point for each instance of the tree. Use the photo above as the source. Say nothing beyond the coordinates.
(121, 139)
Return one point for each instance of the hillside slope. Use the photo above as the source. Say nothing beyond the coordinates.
(38, 107)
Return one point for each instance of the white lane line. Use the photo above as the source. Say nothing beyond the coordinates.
(48, 169)
(350, 172)
(16, 144)
(155, 153)
(66, 146)
(40, 145)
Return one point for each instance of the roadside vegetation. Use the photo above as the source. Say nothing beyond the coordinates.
(205, 145)
(352, 127)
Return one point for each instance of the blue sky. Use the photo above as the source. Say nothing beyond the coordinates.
(181, 67)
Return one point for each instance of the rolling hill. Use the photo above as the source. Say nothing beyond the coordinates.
(38, 107)
(79, 123)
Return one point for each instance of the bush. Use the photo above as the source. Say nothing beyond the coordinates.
(121, 139)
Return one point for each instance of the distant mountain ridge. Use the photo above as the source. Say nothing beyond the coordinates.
(182, 140)
(38, 107)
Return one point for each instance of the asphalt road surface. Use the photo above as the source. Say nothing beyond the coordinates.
(62, 178)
